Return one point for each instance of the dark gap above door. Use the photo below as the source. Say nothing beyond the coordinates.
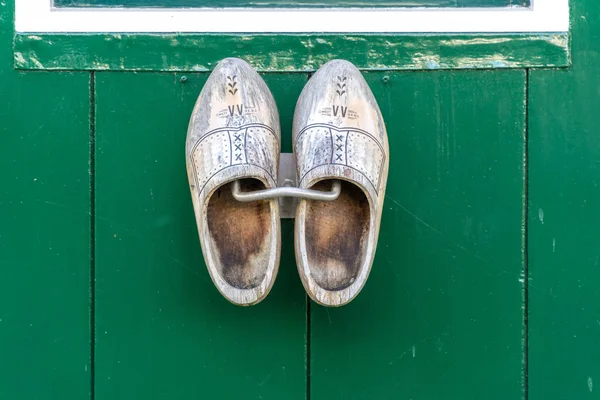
(290, 3)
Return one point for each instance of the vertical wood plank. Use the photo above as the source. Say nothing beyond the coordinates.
(564, 238)
(44, 230)
(442, 313)
(163, 330)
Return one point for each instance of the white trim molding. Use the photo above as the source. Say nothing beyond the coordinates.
(39, 16)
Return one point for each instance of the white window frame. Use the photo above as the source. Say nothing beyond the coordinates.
(542, 16)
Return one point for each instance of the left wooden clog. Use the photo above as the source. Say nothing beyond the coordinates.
(234, 134)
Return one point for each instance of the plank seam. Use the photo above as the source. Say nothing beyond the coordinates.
(308, 343)
(525, 242)
(92, 233)
(308, 326)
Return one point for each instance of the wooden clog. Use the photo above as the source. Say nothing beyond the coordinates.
(234, 134)
(339, 133)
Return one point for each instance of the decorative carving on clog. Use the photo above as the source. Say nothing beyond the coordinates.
(253, 144)
(321, 144)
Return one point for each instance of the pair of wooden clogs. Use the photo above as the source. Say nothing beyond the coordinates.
(338, 134)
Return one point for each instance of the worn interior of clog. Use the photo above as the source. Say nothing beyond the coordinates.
(336, 236)
(240, 235)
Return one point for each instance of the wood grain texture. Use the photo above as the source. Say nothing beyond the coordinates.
(290, 3)
(163, 330)
(288, 53)
(564, 194)
(44, 230)
(442, 313)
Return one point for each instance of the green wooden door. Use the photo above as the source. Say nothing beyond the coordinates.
(158, 314)
(483, 286)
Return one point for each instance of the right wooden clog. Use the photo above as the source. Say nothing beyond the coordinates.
(338, 134)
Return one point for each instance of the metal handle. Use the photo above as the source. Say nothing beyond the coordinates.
(336, 188)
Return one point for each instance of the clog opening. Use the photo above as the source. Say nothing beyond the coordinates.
(240, 235)
(336, 236)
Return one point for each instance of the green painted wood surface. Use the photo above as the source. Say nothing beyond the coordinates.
(441, 315)
(288, 53)
(564, 219)
(291, 3)
(44, 231)
(158, 322)
(163, 330)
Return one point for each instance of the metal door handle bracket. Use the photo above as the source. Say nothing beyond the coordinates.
(287, 192)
